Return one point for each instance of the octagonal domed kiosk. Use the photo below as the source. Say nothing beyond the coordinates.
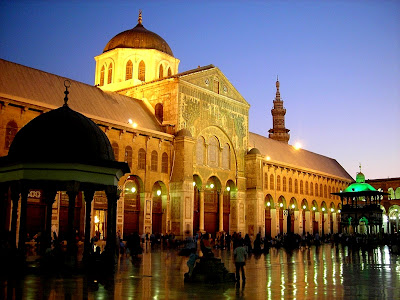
(361, 206)
(61, 150)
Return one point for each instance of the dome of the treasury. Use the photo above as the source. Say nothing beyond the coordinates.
(61, 135)
(138, 38)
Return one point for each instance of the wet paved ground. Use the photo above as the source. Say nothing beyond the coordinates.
(326, 272)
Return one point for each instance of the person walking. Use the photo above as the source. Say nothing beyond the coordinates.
(240, 255)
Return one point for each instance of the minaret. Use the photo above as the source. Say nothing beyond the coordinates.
(278, 132)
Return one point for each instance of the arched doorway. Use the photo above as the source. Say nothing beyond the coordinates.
(229, 190)
(291, 215)
(313, 217)
(394, 216)
(304, 206)
(331, 219)
(197, 184)
(269, 204)
(132, 192)
(324, 217)
(157, 210)
(282, 205)
(211, 204)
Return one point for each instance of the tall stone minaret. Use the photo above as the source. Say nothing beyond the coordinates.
(278, 132)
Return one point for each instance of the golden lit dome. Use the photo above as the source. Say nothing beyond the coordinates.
(138, 38)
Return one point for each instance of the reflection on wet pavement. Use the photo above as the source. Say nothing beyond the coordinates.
(326, 272)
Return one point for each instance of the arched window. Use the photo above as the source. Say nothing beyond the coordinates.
(266, 181)
(296, 186)
(325, 192)
(226, 160)
(213, 152)
(102, 76)
(159, 110)
(11, 131)
(278, 183)
(290, 185)
(200, 146)
(284, 183)
(271, 182)
(169, 72)
(316, 190)
(110, 70)
(311, 189)
(142, 159)
(128, 156)
(161, 72)
(301, 187)
(329, 192)
(306, 187)
(164, 163)
(321, 191)
(154, 160)
(142, 71)
(129, 69)
(116, 150)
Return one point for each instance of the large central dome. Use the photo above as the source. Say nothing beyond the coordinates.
(138, 38)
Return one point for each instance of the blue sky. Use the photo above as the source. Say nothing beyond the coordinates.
(338, 61)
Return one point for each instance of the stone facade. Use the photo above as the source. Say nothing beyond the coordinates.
(195, 173)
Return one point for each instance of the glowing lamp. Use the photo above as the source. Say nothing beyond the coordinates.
(268, 204)
(293, 206)
(332, 210)
(323, 209)
(228, 188)
(314, 208)
(304, 207)
(212, 185)
(158, 192)
(194, 183)
(281, 204)
(297, 146)
(268, 158)
(133, 190)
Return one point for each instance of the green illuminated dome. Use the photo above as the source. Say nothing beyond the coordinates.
(359, 185)
(360, 178)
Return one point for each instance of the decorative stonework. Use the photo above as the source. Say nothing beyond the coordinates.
(188, 208)
(241, 213)
(175, 209)
(250, 213)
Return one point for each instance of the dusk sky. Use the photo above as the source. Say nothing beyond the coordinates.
(338, 61)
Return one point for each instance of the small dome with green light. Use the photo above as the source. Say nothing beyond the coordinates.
(360, 178)
(359, 185)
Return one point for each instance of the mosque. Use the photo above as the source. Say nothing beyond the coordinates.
(185, 137)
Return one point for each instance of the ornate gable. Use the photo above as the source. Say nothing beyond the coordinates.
(212, 79)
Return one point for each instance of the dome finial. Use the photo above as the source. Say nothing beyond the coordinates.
(140, 17)
(360, 168)
(67, 84)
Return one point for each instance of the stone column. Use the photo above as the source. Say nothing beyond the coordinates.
(49, 198)
(22, 222)
(14, 217)
(71, 217)
(111, 223)
(88, 201)
(201, 221)
(221, 210)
